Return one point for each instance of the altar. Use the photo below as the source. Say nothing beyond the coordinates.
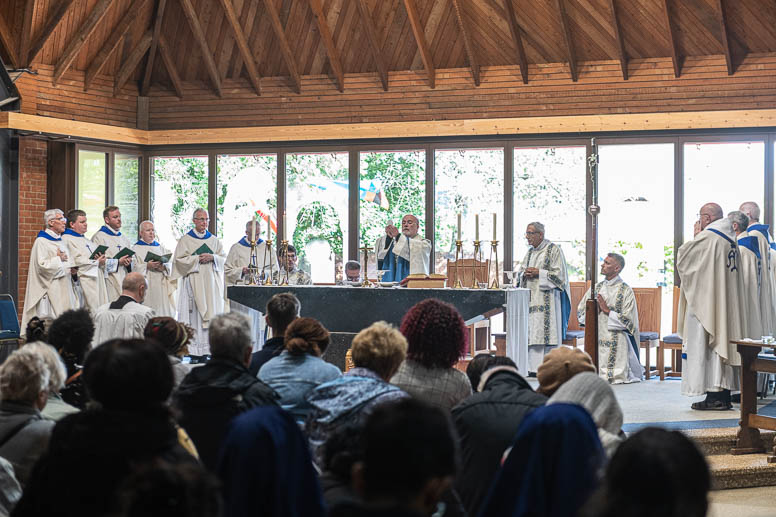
(347, 310)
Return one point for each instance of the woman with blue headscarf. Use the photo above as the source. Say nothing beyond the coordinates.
(553, 466)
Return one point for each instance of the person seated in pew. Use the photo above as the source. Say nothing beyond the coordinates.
(282, 309)
(288, 264)
(125, 317)
(559, 366)
(403, 253)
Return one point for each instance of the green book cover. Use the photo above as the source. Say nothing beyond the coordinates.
(151, 256)
(203, 249)
(99, 251)
(125, 252)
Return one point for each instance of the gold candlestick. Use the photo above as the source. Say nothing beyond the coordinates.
(268, 253)
(477, 258)
(494, 251)
(365, 282)
(284, 254)
(458, 256)
(253, 265)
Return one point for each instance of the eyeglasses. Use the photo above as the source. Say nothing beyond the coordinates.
(532, 233)
(202, 219)
(700, 215)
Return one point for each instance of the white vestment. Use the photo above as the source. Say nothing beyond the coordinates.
(710, 310)
(91, 278)
(416, 250)
(549, 293)
(201, 286)
(49, 287)
(160, 295)
(115, 241)
(126, 323)
(767, 279)
(617, 332)
(751, 269)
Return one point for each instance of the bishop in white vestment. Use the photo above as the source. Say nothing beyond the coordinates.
(403, 253)
(543, 271)
(126, 317)
(767, 278)
(200, 281)
(618, 324)
(91, 272)
(161, 287)
(709, 314)
(110, 235)
(49, 288)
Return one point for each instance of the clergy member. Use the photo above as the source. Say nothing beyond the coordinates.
(288, 263)
(90, 274)
(709, 314)
(125, 317)
(618, 324)
(403, 253)
(543, 271)
(161, 288)
(352, 273)
(199, 264)
(49, 288)
(750, 266)
(110, 235)
(767, 267)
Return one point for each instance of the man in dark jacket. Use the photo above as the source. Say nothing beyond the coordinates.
(282, 309)
(211, 395)
(487, 422)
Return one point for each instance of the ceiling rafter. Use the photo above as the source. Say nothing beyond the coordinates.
(725, 38)
(117, 34)
(51, 25)
(467, 42)
(514, 28)
(6, 38)
(619, 41)
(169, 63)
(374, 45)
(26, 34)
(199, 35)
(280, 33)
(675, 58)
(149, 67)
(76, 43)
(242, 44)
(564, 22)
(328, 41)
(420, 38)
(130, 64)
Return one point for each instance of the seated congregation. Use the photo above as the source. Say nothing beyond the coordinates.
(128, 428)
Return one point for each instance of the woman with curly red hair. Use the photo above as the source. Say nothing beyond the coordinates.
(437, 339)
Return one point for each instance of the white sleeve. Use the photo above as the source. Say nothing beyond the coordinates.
(544, 282)
(614, 322)
(111, 266)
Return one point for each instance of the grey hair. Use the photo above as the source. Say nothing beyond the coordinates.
(539, 227)
(739, 218)
(198, 210)
(751, 209)
(23, 376)
(54, 363)
(50, 214)
(618, 258)
(229, 336)
(148, 221)
(352, 264)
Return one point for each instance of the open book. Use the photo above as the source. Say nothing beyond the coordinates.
(151, 256)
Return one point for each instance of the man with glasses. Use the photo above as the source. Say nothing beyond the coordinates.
(110, 235)
(543, 271)
(710, 314)
(403, 253)
(199, 264)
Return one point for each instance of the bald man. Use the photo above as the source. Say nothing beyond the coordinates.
(161, 287)
(125, 317)
(710, 315)
(403, 253)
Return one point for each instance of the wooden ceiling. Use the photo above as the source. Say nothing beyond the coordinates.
(162, 44)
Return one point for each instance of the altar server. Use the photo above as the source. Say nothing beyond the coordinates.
(90, 276)
(199, 264)
(49, 288)
(709, 315)
(161, 287)
(287, 262)
(110, 235)
(403, 253)
(766, 246)
(750, 266)
(543, 271)
(618, 324)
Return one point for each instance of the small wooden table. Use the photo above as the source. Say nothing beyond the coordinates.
(749, 440)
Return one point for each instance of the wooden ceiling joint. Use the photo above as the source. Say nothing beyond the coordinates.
(7, 40)
(514, 28)
(675, 57)
(130, 64)
(619, 41)
(328, 42)
(566, 29)
(26, 34)
(76, 42)
(149, 67)
(474, 64)
(420, 38)
(725, 37)
(48, 29)
(199, 35)
(374, 45)
(242, 45)
(169, 63)
(285, 48)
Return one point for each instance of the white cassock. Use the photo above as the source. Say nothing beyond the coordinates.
(91, 278)
(49, 287)
(410, 256)
(239, 257)
(751, 269)
(126, 323)
(550, 305)
(618, 332)
(160, 295)
(710, 310)
(201, 286)
(115, 241)
(767, 278)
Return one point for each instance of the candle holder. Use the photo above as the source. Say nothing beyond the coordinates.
(494, 251)
(365, 282)
(253, 266)
(458, 256)
(284, 254)
(268, 253)
(476, 260)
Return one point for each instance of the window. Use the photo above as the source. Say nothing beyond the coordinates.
(126, 177)
(317, 211)
(179, 185)
(92, 178)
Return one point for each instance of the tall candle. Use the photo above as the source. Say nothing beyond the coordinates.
(253, 228)
(459, 226)
(284, 225)
(494, 226)
(476, 227)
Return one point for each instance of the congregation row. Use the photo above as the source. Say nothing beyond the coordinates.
(127, 429)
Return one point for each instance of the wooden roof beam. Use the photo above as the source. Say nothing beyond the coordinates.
(199, 35)
(109, 47)
(328, 41)
(130, 64)
(169, 63)
(675, 58)
(242, 45)
(619, 40)
(374, 45)
(420, 39)
(564, 22)
(77, 41)
(48, 29)
(725, 39)
(149, 67)
(7, 40)
(26, 34)
(514, 27)
(280, 33)
(467, 42)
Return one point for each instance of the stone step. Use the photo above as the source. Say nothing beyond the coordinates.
(742, 471)
(720, 440)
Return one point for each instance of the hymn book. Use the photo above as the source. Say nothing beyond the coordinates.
(151, 256)
(203, 249)
(99, 251)
(125, 252)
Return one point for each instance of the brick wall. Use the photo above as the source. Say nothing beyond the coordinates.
(32, 203)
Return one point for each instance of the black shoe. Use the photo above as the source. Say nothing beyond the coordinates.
(711, 405)
(737, 397)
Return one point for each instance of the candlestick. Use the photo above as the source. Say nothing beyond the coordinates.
(476, 227)
(253, 229)
(494, 226)
(458, 258)
(459, 227)
(494, 251)
(285, 231)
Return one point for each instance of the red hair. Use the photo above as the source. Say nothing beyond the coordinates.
(435, 333)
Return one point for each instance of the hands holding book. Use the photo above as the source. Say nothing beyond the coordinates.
(204, 258)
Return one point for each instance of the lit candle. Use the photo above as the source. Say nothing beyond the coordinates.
(253, 228)
(476, 227)
(494, 226)
(459, 226)
(284, 225)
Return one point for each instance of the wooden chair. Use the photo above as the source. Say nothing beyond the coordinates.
(648, 300)
(479, 332)
(671, 342)
(575, 330)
